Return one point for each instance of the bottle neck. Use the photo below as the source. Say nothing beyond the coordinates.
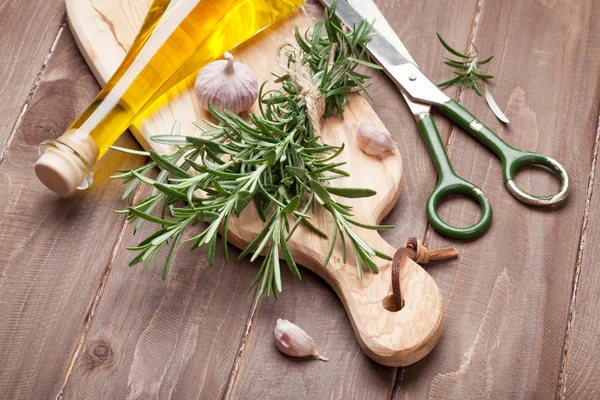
(66, 163)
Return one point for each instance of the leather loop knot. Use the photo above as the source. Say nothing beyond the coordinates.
(420, 254)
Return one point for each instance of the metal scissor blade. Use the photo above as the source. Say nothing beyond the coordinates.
(380, 48)
(387, 49)
(369, 10)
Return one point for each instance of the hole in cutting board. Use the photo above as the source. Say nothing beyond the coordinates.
(470, 210)
(390, 304)
(537, 180)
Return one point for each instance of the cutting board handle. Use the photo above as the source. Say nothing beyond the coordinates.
(389, 336)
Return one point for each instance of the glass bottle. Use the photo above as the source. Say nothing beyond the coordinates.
(177, 38)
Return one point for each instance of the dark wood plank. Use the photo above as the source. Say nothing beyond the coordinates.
(175, 339)
(310, 303)
(27, 29)
(581, 375)
(54, 251)
(266, 373)
(508, 296)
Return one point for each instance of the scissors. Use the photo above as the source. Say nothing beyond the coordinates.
(421, 94)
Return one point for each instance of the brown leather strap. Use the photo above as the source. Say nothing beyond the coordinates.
(415, 251)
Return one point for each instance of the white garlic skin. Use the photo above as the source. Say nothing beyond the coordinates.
(373, 141)
(227, 85)
(293, 341)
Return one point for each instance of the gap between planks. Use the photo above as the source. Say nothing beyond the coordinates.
(561, 385)
(399, 374)
(33, 90)
(89, 320)
(116, 248)
(238, 359)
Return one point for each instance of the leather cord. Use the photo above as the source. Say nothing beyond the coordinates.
(420, 254)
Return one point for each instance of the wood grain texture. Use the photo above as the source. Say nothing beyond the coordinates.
(53, 251)
(174, 339)
(28, 31)
(507, 298)
(581, 372)
(350, 374)
(265, 373)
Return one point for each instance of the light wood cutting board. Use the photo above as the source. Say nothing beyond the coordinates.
(105, 29)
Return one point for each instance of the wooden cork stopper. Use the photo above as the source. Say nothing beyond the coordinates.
(67, 162)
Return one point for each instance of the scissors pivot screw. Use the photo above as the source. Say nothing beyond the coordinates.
(412, 76)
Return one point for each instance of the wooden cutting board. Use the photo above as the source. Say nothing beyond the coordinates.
(105, 29)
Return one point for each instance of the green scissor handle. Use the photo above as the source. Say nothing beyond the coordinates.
(452, 184)
(512, 159)
(449, 183)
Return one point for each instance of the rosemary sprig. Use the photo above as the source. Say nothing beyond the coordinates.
(273, 158)
(466, 68)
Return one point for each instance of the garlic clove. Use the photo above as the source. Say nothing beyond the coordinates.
(227, 85)
(293, 341)
(373, 141)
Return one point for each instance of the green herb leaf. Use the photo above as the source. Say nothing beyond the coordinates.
(165, 165)
(130, 151)
(271, 157)
(450, 49)
(171, 256)
(320, 191)
(149, 217)
(299, 173)
(487, 60)
(292, 205)
(351, 193)
(173, 140)
(365, 63)
(289, 259)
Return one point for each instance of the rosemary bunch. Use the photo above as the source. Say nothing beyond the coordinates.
(273, 159)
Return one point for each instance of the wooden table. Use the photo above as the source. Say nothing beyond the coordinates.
(520, 303)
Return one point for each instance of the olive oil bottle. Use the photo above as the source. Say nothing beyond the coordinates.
(177, 38)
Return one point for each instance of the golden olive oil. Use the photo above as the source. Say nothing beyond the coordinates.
(177, 38)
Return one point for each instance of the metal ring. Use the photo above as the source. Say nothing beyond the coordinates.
(543, 201)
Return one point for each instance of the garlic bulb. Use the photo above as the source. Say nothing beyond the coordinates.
(293, 341)
(227, 85)
(373, 141)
